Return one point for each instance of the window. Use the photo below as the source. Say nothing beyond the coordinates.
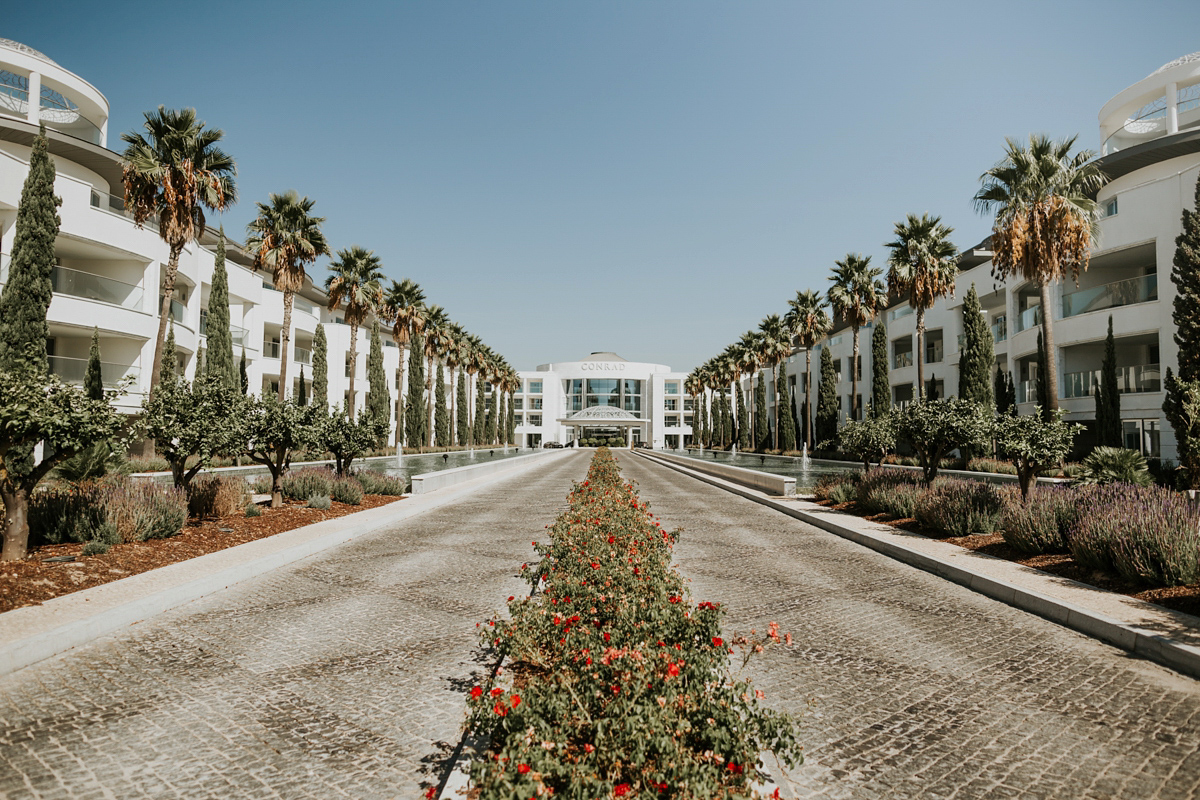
(672, 421)
(271, 348)
(534, 387)
(517, 419)
(671, 404)
(671, 387)
(902, 352)
(1110, 208)
(934, 351)
(837, 369)
(535, 419)
(535, 402)
(1142, 435)
(688, 404)
(518, 403)
(603, 392)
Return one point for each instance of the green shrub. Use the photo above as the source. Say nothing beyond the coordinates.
(960, 507)
(301, 484)
(260, 484)
(1040, 525)
(217, 496)
(1115, 465)
(320, 501)
(155, 464)
(377, 483)
(348, 491)
(252, 510)
(144, 510)
(1146, 534)
(890, 491)
(840, 484)
(91, 464)
(72, 514)
(991, 465)
(96, 548)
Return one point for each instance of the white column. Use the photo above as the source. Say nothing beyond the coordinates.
(35, 98)
(1172, 108)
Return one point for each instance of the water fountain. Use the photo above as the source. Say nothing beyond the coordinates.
(805, 462)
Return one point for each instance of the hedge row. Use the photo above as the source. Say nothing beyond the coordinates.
(618, 685)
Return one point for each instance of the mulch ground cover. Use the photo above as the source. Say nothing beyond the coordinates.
(36, 580)
(1178, 598)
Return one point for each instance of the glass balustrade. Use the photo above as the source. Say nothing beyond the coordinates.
(89, 286)
(897, 313)
(1027, 391)
(1130, 380)
(1029, 318)
(901, 360)
(72, 370)
(1000, 329)
(301, 355)
(271, 349)
(1141, 289)
(178, 312)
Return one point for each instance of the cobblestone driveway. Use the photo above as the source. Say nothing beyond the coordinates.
(336, 677)
(918, 687)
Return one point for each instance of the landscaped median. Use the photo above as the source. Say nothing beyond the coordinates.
(617, 684)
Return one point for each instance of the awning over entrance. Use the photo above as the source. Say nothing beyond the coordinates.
(604, 417)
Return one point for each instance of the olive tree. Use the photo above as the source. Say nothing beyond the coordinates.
(199, 419)
(1034, 443)
(869, 439)
(273, 430)
(935, 428)
(347, 439)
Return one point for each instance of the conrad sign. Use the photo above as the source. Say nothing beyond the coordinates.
(602, 366)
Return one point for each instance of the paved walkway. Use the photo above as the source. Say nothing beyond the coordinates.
(341, 676)
(909, 686)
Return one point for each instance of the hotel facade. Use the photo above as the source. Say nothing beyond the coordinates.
(1149, 147)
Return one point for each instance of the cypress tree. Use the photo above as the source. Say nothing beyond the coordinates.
(1185, 274)
(1010, 393)
(742, 427)
(762, 433)
(243, 377)
(462, 410)
(441, 418)
(1108, 396)
(698, 431)
(489, 426)
(379, 402)
(302, 394)
(320, 369)
(169, 361)
(512, 419)
(480, 412)
(881, 388)
(787, 418)
(826, 425)
(415, 423)
(220, 337)
(26, 296)
(1006, 395)
(93, 382)
(1043, 380)
(726, 420)
(502, 420)
(978, 354)
(932, 393)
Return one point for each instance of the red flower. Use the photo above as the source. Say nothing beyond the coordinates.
(516, 700)
(607, 637)
(673, 669)
(621, 789)
(522, 768)
(511, 598)
(736, 769)
(718, 641)
(431, 792)
(589, 748)
(497, 692)
(500, 709)
(476, 692)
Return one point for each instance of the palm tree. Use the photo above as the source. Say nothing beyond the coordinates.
(356, 282)
(453, 354)
(746, 355)
(171, 175)
(1046, 221)
(775, 344)
(405, 304)
(477, 360)
(435, 332)
(807, 322)
(922, 265)
(284, 237)
(691, 386)
(727, 369)
(857, 295)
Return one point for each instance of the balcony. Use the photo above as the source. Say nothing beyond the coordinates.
(1027, 391)
(901, 360)
(1142, 289)
(302, 356)
(238, 334)
(897, 313)
(90, 286)
(1134, 379)
(178, 310)
(72, 370)
(271, 350)
(1029, 318)
(55, 110)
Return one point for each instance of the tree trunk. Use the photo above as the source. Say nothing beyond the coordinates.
(750, 412)
(921, 353)
(276, 469)
(285, 336)
(400, 402)
(164, 314)
(16, 523)
(1051, 352)
(775, 380)
(429, 402)
(470, 409)
(453, 408)
(808, 415)
(353, 369)
(854, 378)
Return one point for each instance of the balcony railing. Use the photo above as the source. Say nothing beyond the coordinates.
(1029, 318)
(1000, 329)
(72, 370)
(89, 286)
(901, 360)
(1027, 391)
(270, 349)
(1142, 289)
(934, 354)
(178, 310)
(897, 313)
(1130, 380)
(238, 334)
(301, 356)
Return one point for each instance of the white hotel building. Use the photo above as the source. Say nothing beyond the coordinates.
(1150, 150)
(109, 272)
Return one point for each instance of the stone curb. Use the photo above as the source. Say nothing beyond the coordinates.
(1169, 652)
(34, 633)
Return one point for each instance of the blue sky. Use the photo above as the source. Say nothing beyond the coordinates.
(648, 177)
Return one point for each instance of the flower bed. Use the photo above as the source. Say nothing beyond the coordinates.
(618, 685)
(1143, 541)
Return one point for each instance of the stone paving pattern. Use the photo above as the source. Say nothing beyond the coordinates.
(340, 676)
(906, 685)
